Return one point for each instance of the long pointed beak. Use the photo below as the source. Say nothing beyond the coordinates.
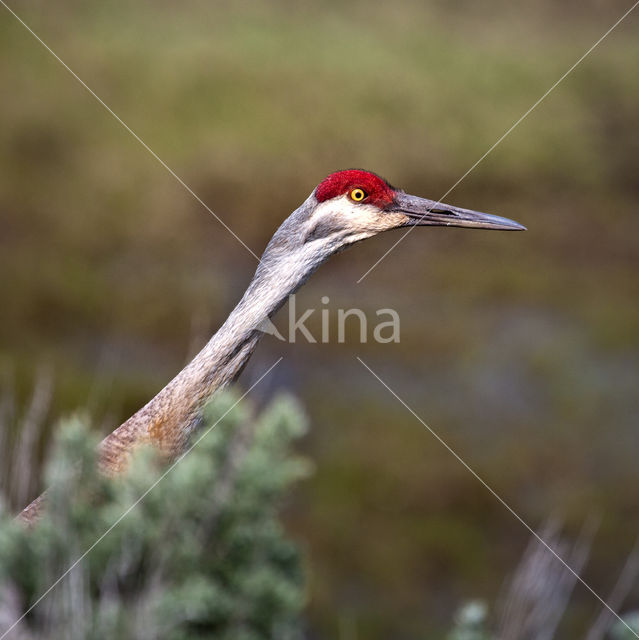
(423, 212)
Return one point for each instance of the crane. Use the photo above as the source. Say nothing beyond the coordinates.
(346, 207)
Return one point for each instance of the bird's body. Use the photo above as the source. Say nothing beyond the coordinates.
(345, 208)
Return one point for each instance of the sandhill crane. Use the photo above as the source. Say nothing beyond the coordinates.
(345, 208)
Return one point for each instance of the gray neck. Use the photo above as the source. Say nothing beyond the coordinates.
(287, 263)
(168, 418)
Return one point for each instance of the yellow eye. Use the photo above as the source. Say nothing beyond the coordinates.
(358, 195)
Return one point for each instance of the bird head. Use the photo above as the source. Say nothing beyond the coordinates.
(350, 206)
(353, 205)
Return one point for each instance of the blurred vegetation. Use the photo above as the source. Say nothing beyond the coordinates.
(198, 552)
(520, 350)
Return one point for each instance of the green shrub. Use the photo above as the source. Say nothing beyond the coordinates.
(202, 555)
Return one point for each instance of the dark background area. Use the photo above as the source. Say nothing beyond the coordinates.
(520, 350)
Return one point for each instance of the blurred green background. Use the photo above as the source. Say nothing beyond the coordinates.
(520, 350)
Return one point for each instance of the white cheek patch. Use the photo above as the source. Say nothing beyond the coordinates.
(341, 216)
